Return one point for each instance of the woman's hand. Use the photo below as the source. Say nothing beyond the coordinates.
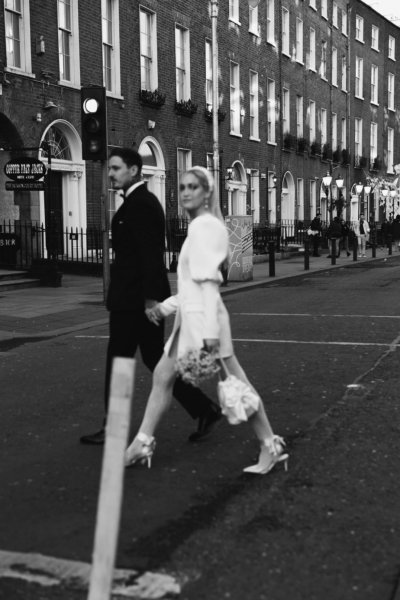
(154, 314)
(211, 345)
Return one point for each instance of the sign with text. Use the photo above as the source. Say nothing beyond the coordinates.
(24, 169)
(25, 185)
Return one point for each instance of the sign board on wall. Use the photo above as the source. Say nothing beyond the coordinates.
(240, 230)
(25, 174)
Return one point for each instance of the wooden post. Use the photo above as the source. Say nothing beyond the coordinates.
(112, 478)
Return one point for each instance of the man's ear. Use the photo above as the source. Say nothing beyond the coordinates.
(134, 170)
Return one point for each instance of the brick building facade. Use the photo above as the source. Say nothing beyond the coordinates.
(292, 105)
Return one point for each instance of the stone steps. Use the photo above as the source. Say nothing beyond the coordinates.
(11, 280)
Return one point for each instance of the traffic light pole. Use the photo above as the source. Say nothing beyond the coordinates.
(105, 227)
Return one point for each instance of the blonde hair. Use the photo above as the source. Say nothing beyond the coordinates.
(207, 182)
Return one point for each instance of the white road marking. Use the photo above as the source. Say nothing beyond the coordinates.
(248, 314)
(270, 341)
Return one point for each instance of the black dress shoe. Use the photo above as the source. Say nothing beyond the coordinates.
(206, 424)
(95, 439)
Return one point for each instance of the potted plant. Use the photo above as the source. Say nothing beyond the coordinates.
(302, 144)
(155, 99)
(186, 108)
(208, 113)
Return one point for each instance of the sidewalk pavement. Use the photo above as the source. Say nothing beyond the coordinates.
(78, 304)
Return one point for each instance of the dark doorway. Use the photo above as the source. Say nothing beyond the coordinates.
(53, 205)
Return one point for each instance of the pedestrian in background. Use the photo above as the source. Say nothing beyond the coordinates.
(201, 321)
(138, 282)
(361, 230)
(334, 232)
(396, 232)
(345, 236)
(316, 232)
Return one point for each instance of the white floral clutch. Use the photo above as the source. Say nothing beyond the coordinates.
(196, 366)
(237, 400)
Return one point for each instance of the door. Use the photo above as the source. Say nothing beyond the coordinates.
(53, 206)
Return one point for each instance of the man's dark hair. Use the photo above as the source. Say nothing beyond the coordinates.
(129, 156)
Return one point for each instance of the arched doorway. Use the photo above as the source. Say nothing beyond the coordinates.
(153, 167)
(288, 206)
(237, 189)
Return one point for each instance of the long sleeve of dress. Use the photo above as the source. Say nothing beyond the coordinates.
(169, 306)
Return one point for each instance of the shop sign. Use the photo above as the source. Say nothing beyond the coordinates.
(24, 170)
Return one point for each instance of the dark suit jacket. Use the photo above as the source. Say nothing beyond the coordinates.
(138, 271)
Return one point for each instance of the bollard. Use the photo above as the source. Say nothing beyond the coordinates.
(306, 255)
(271, 254)
(389, 244)
(333, 250)
(355, 248)
(373, 250)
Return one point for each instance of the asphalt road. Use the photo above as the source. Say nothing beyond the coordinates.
(302, 343)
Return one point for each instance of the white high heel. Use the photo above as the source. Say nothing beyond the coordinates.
(272, 452)
(141, 450)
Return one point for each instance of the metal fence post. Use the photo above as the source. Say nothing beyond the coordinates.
(271, 255)
(355, 248)
(306, 255)
(333, 251)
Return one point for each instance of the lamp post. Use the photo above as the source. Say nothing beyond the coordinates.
(367, 191)
(393, 195)
(327, 180)
(359, 190)
(385, 192)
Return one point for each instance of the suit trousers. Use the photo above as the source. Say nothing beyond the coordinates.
(130, 330)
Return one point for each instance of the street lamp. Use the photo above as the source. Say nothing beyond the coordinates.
(339, 181)
(327, 180)
(359, 190)
(385, 192)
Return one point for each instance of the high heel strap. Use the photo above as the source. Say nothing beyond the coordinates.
(275, 444)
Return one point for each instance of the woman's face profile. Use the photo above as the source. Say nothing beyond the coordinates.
(191, 193)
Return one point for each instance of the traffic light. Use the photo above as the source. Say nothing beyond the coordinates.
(94, 122)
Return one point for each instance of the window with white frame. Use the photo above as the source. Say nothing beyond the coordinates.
(357, 140)
(312, 49)
(285, 31)
(253, 92)
(374, 84)
(335, 20)
(285, 110)
(343, 133)
(313, 198)
(375, 38)
(390, 91)
(334, 132)
(313, 4)
(235, 98)
(311, 122)
(373, 143)
(324, 126)
(271, 198)
(182, 63)
(210, 162)
(183, 162)
(68, 41)
(111, 46)
(18, 35)
(271, 21)
(255, 195)
(271, 114)
(148, 51)
(359, 77)
(253, 20)
(344, 73)
(324, 8)
(300, 199)
(299, 40)
(391, 47)
(334, 66)
(234, 10)
(390, 150)
(299, 117)
(324, 46)
(209, 78)
(359, 28)
(344, 22)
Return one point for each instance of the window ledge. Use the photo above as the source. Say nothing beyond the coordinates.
(114, 95)
(324, 78)
(234, 134)
(390, 58)
(374, 103)
(313, 69)
(359, 97)
(69, 84)
(375, 49)
(358, 40)
(232, 20)
(272, 43)
(300, 62)
(255, 33)
(254, 139)
(286, 53)
(392, 108)
(271, 143)
(335, 85)
(21, 72)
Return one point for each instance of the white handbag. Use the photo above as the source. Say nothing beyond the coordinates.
(236, 398)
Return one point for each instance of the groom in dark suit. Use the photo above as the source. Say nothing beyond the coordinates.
(138, 281)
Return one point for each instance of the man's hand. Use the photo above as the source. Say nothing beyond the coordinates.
(153, 312)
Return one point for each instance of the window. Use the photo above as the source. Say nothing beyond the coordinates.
(299, 117)
(323, 59)
(324, 8)
(390, 150)
(375, 38)
(235, 98)
(392, 47)
(335, 21)
(390, 91)
(182, 63)
(359, 28)
(253, 90)
(313, 198)
(334, 66)
(271, 115)
(374, 84)
(18, 36)
(285, 31)
(300, 199)
(148, 51)
(344, 22)
(373, 144)
(343, 133)
(344, 73)
(184, 162)
(334, 132)
(299, 40)
(323, 126)
(110, 34)
(271, 21)
(255, 195)
(312, 49)
(359, 77)
(234, 10)
(253, 20)
(311, 111)
(357, 140)
(313, 4)
(285, 110)
(209, 79)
